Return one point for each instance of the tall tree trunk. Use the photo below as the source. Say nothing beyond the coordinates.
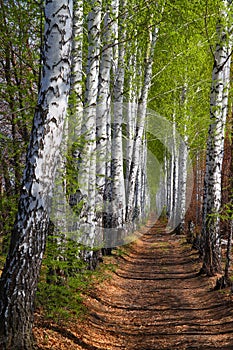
(74, 137)
(115, 36)
(182, 167)
(103, 135)
(183, 159)
(117, 173)
(215, 146)
(20, 275)
(131, 112)
(141, 116)
(87, 169)
(161, 194)
(175, 168)
(230, 235)
(143, 183)
(170, 185)
(76, 104)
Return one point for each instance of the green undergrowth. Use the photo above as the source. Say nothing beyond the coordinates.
(65, 278)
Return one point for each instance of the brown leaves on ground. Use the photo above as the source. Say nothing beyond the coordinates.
(153, 300)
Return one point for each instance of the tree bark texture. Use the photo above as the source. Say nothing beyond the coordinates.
(87, 168)
(117, 173)
(215, 145)
(20, 275)
(141, 117)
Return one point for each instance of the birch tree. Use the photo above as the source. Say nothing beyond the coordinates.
(141, 115)
(182, 166)
(131, 110)
(87, 168)
(21, 271)
(215, 143)
(182, 186)
(76, 104)
(178, 62)
(175, 174)
(73, 140)
(117, 174)
(103, 122)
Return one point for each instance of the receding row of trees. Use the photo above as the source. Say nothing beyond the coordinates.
(93, 137)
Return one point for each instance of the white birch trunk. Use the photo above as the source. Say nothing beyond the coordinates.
(170, 185)
(110, 52)
(20, 275)
(117, 175)
(87, 171)
(183, 159)
(141, 116)
(175, 168)
(131, 114)
(140, 184)
(77, 67)
(115, 36)
(143, 183)
(161, 194)
(103, 128)
(75, 117)
(182, 167)
(215, 146)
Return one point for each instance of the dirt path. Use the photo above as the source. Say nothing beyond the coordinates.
(155, 300)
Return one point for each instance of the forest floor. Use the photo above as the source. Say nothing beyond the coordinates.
(154, 299)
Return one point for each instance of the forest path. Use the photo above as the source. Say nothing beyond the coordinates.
(155, 300)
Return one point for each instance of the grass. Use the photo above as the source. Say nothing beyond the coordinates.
(60, 294)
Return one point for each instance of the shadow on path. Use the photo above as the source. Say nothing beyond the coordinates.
(155, 300)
